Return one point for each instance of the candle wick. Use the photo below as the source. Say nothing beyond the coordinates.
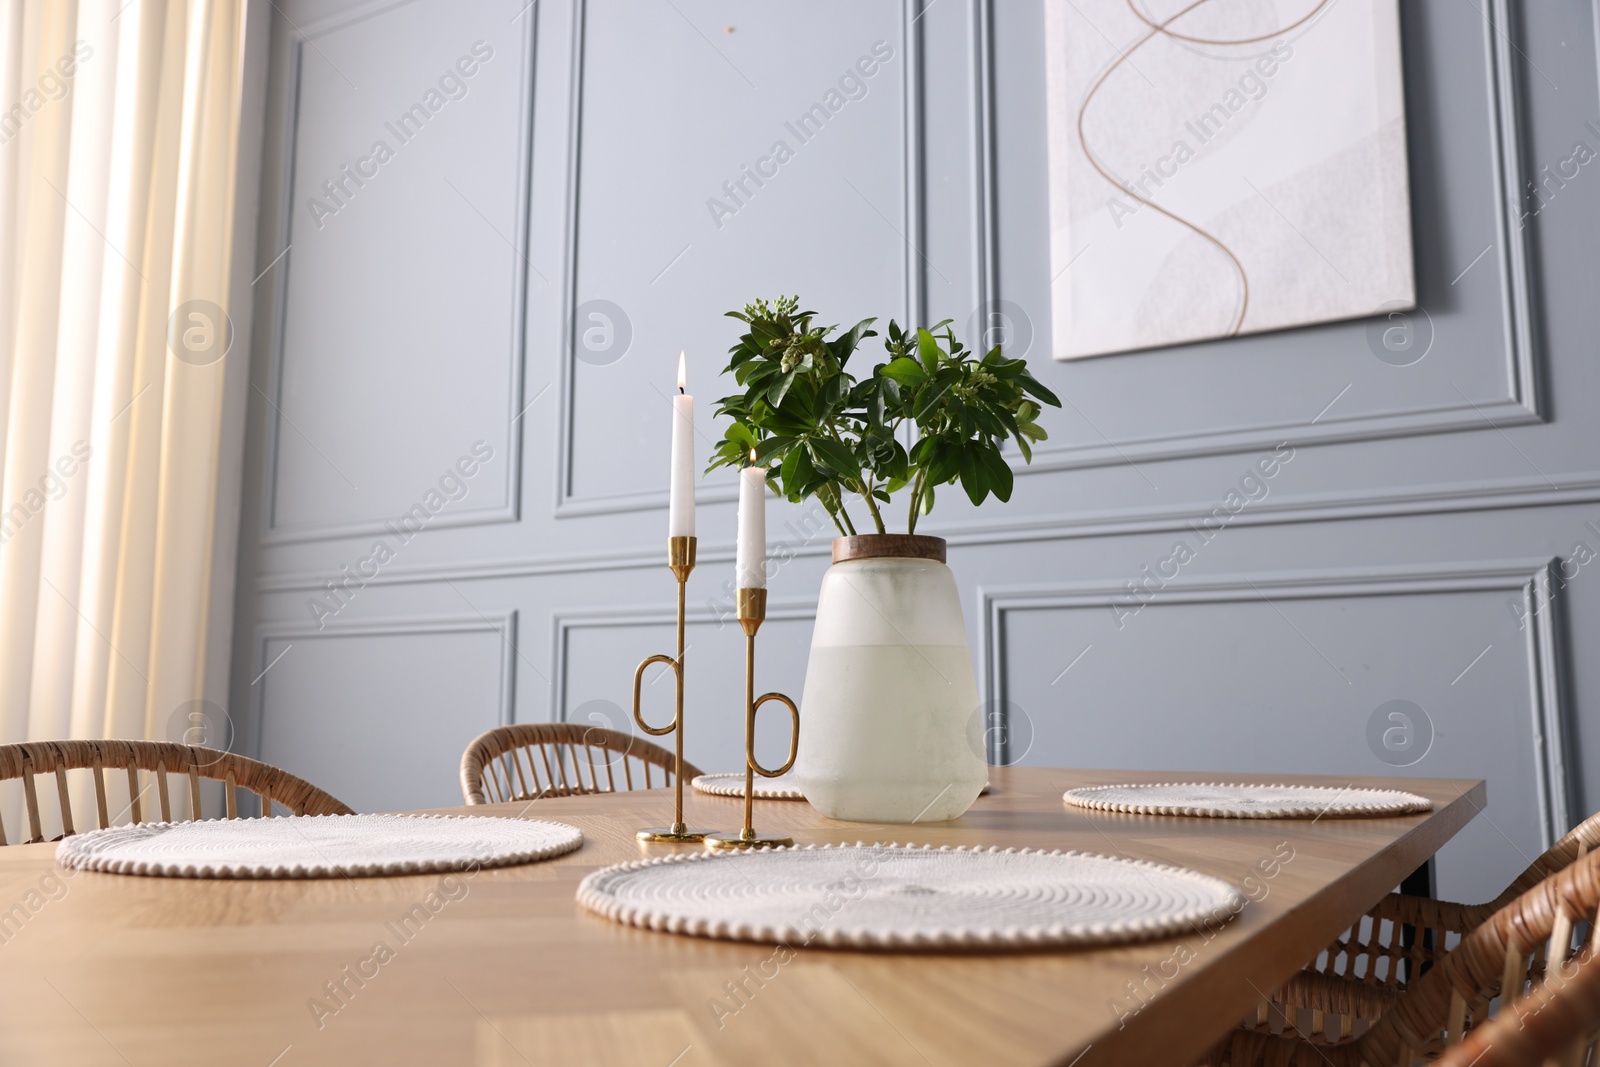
(680, 390)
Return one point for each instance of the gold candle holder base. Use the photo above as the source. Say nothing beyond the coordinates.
(680, 558)
(751, 611)
(672, 835)
(725, 841)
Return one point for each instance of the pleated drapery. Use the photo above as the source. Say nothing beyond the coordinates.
(119, 127)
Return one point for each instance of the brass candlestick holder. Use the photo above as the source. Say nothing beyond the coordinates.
(751, 612)
(680, 557)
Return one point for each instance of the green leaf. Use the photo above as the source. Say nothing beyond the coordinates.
(946, 463)
(888, 389)
(755, 375)
(986, 422)
(973, 479)
(772, 446)
(835, 457)
(776, 394)
(843, 347)
(897, 468)
(837, 391)
(807, 476)
(928, 350)
(791, 468)
(904, 371)
(998, 470)
(1028, 382)
(765, 331)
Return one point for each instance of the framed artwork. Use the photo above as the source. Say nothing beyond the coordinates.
(1223, 168)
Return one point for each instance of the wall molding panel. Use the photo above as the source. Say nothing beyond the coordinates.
(569, 504)
(1555, 764)
(271, 533)
(502, 625)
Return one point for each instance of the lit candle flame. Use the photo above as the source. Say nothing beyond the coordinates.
(752, 455)
(682, 371)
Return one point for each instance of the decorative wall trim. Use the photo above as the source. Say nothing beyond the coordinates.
(985, 206)
(273, 534)
(568, 504)
(1447, 418)
(913, 170)
(1555, 764)
(502, 624)
(1522, 405)
(1494, 496)
(1510, 175)
(567, 346)
(1547, 643)
(562, 624)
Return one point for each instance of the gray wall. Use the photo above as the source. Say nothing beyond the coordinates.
(1418, 547)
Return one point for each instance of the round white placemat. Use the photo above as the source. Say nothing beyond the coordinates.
(907, 897)
(1222, 800)
(318, 846)
(732, 785)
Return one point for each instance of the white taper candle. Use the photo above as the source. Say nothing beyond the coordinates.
(750, 562)
(680, 501)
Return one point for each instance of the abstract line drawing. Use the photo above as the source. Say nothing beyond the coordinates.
(1223, 167)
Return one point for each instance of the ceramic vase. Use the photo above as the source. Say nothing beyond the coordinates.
(889, 700)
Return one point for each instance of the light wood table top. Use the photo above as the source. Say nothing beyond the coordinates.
(507, 970)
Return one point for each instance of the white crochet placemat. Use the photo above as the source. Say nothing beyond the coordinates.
(318, 846)
(732, 785)
(1221, 800)
(908, 897)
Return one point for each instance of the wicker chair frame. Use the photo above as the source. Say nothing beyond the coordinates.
(161, 761)
(1496, 961)
(1403, 935)
(528, 761)
(1555, 1024)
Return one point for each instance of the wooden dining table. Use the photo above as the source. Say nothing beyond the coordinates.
(502, 968)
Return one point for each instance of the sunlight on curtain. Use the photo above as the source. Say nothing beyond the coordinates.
(119, 124)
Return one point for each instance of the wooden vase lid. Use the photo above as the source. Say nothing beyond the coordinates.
(888, 546)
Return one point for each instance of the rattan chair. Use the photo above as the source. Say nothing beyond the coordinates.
(160, 760)
(553, 759)
(1402, 935)
(1503, 954)
(1554, 1024)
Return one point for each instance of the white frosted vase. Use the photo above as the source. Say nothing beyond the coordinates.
(889, 697)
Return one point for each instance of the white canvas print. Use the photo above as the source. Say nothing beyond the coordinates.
(1222, 168)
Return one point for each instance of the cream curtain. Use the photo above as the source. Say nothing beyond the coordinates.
(119, 126)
